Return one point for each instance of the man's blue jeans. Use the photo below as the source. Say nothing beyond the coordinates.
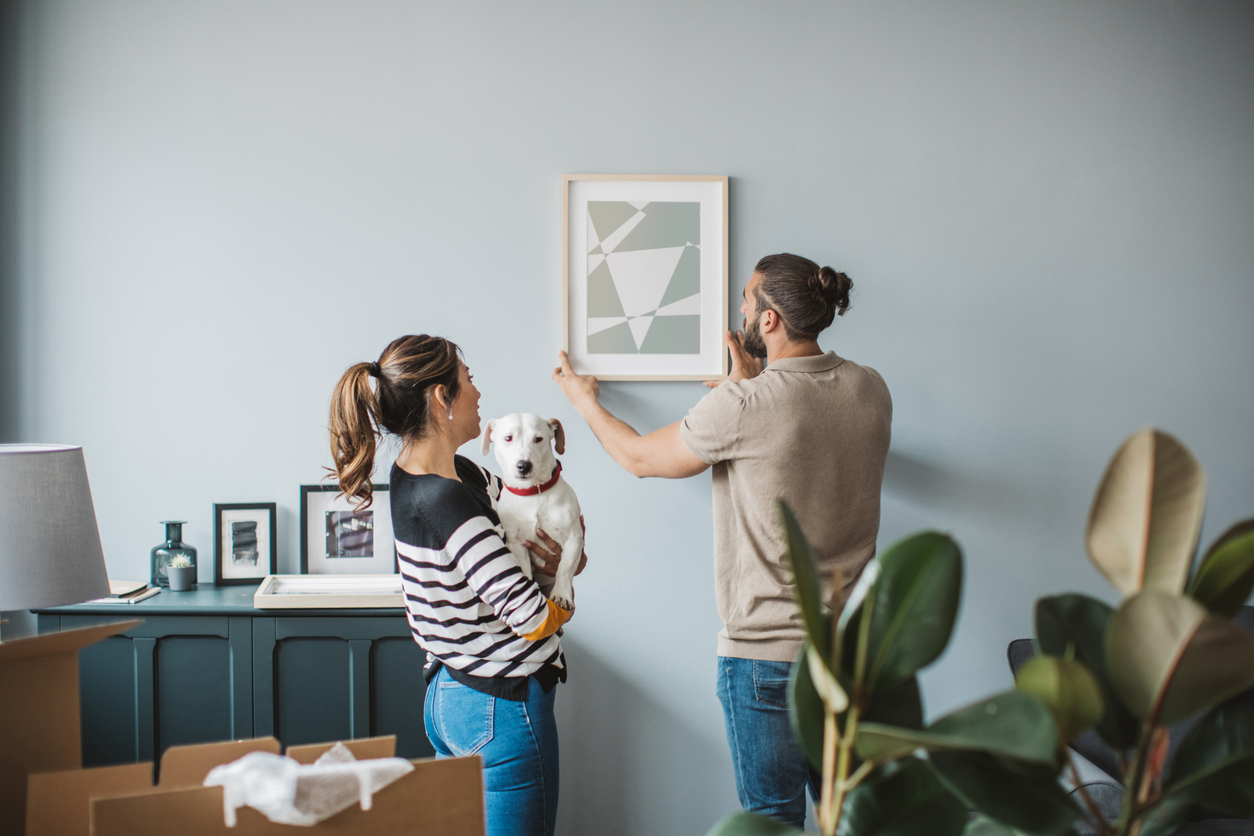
(771, 771)
(518, 744)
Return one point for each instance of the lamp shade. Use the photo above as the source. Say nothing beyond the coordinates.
(49, 544)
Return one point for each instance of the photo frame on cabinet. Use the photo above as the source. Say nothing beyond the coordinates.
(338, 539)
(244, 542)
(644, 276)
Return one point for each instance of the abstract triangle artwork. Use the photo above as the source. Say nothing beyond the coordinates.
(645, 266)
(602, 295)
(639, 327)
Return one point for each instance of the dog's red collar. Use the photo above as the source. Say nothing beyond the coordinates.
(538, 489)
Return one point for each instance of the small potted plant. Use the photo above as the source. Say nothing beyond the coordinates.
(182, 574)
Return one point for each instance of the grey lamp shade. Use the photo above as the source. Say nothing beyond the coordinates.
(49, 544)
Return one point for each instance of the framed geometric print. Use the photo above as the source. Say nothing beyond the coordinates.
(644, 276)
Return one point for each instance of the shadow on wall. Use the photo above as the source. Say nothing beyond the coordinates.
(992, 497)
(629, 767)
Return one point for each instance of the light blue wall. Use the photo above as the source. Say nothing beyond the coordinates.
(1046, 208)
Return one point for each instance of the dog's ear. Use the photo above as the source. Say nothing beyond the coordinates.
(559, 436)
(487, 435)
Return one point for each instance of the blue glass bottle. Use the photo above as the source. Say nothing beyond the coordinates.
(172, 547)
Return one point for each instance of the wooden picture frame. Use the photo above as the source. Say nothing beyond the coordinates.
(644, 275)
(329, 592)
(337, 539)
(245, 542)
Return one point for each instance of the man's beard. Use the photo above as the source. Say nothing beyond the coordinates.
(754, 346)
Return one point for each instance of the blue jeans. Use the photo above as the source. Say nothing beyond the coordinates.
(517, 742)
(771, 770)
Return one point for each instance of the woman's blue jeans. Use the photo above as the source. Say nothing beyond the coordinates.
(771, 770)
(517, 742)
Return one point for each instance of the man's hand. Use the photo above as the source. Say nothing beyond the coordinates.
(581, 390)
(743, 366)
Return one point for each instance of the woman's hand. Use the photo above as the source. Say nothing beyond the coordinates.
(551, 553)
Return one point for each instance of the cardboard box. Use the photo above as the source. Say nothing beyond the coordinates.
(39, 719)
(44, 790)
(439, 798)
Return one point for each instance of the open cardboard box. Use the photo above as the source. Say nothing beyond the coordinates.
(39, 719)
(44, 790)
(443, 797)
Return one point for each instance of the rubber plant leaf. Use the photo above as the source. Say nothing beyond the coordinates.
(1013, 724)
(903, 799)
(1024, 797)
(852, 615)
(805, 572)
(805, 710)
(1147, 514)
(900, 705)
(751, 824)
(1078, 622)
(1069, 691)
(824, 682)
(1225, 578)
(1167, 818)
(1214, 764)
(984, 826)
(1170, 659)
(914, 603)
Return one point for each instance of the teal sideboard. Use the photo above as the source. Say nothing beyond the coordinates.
(205, 666)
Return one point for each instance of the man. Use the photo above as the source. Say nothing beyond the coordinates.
(812, 429)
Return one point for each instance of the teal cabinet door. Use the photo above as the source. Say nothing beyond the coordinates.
(318, 679)
(170, 681)
(206, 676)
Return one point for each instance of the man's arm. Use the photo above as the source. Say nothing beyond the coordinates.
(660, 453)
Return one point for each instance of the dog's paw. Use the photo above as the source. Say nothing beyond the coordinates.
(562, 602)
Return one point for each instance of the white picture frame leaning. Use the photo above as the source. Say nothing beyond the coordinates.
(337, 539)
(642, 300)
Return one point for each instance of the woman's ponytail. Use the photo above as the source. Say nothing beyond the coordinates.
(354, 416)
(398, 404)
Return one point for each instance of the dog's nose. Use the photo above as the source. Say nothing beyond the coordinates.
(524, 468)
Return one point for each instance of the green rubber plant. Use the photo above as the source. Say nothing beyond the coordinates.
(1168, 652)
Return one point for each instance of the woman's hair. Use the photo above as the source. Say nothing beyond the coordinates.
(399, 403)
(806, 297)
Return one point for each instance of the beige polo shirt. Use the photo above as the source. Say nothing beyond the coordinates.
(813, 431)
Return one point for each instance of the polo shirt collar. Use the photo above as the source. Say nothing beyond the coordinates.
(817, 363)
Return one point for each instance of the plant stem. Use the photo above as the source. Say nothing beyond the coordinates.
(1099, 820)
(1129, 821)
(842, 764)
(827, 818)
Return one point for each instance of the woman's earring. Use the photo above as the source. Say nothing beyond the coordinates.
(450, 413)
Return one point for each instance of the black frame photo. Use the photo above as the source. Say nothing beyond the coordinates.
(337, 539)
(245, 542)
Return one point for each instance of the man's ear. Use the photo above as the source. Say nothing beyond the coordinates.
(487, 435)
(769, 321)
(559, 436)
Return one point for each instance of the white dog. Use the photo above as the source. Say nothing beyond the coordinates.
(535, 494)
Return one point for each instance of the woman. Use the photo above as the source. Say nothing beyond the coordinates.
(493, 654)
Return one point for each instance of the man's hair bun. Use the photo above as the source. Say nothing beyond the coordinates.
(833, 287)
(807, 297)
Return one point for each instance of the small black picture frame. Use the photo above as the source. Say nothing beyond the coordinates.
(336, 539)
(245, 542)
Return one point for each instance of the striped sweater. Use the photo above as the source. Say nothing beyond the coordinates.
(468, 603)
